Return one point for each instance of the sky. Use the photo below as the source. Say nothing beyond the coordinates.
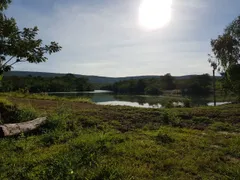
(103, 37)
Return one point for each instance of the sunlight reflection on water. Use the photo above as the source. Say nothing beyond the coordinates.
(132, 104)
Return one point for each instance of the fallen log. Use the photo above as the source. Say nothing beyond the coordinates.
(18, 128)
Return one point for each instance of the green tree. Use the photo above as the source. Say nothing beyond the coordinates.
(232, 80)
(167, 82)
(153, 90)
(20, 45)
(140, 86)
(226, 49)
(197, 85)
(214, 64)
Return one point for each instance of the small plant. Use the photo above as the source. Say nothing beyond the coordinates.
(187, 103)
(164, 138)
(115, 123)
(169, 104)
(26, 113)
(51, 138)
(220, 126)
(60, 120)
(89, 122)
(108, 172)
(171, 118)
(201, 120)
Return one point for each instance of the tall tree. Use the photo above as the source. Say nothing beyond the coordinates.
(226, 48)
(20, 45)
(214, 64)
(167, 82)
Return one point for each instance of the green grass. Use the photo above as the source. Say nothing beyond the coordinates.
(5, 101)
(11, 113)
(44, 96)
(114, 142)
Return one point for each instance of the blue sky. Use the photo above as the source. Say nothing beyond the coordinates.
(102, 37)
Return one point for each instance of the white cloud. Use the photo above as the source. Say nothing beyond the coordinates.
(106, 40)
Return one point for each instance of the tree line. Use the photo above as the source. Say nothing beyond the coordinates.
(46, 84)
(194, 85)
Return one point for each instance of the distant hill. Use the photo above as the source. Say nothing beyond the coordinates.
(92, 79)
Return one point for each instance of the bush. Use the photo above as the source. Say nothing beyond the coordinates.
(187, 103)
(170, 118)
(201, 120)
(26, 113)
(164, 138)
(220, 126)
(169, 104)
(88, 122)
(108, 172)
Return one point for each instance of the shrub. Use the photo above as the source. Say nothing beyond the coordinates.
(187, 103)
(26, 113)
(164, 138)
(220, 126)
(169, 104)
(60, 120)
(201, 120)
(89, 122)
(171, 118)
(108, 172)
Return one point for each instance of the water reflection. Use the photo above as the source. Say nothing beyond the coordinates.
(217, 103)
(108, 98)
(127, 103)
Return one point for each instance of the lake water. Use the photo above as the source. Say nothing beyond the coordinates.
(108, 98)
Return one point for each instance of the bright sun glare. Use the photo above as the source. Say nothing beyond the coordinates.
(154, 14)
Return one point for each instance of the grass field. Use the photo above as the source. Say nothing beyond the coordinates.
(82, 140)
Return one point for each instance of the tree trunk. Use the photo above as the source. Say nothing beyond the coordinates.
(18, 128)
(214, 88)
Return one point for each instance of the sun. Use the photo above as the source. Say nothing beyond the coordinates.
(154, 14)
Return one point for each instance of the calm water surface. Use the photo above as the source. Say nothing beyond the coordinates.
(108, 98)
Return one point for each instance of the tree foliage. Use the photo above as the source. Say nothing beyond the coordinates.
(48, 84)
(232, 80)
(194, 85)
(20, 45)
(167, 82)
(199, 85)
(152, 86)
(226, 49)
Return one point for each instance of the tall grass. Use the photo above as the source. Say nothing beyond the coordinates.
(12, 113)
